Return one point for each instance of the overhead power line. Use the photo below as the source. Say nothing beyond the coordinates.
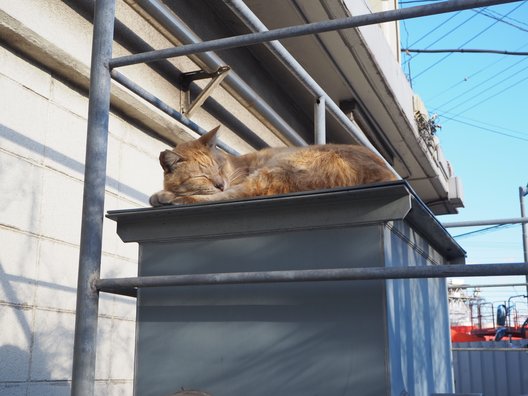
(502, 18)
(468, 41)
(445, 34)
(483, 82)
(435, 29)
(485, 230)
(476, 73)
(494, 95)
(465, 50)
(481, 124)
(484, 128)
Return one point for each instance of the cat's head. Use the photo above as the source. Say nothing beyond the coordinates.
(194, 168)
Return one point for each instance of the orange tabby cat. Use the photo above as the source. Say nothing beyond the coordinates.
(197, 171)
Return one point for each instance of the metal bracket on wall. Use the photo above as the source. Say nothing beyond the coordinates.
(186, 79)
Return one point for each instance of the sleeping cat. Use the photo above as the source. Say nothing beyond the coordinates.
(198, 172)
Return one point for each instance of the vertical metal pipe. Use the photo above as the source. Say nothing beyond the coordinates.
(319, 120)
(522, 192)
(83, 375)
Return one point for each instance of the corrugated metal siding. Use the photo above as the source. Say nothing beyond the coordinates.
(494, 373)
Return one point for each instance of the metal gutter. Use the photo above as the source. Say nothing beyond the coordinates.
(172, 24)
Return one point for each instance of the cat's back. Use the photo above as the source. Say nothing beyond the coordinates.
(327, 152)
(350, 163)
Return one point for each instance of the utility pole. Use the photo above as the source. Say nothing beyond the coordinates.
(522, 192)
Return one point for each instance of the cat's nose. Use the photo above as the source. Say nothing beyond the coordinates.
(219, 185)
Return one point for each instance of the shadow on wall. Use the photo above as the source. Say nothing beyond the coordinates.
(23, 371)
(35, 344)
(76, 166)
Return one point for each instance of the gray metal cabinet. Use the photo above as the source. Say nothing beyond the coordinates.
(368, 337)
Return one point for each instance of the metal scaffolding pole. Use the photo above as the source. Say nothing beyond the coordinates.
(306, 29)
(83, 374)
(125, 285)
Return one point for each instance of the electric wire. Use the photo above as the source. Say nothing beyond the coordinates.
(464, 50)
(468, 41)
(409, 75)
(448, 33)
(486, 81)
(485, 125)
(434, 29)
(486, 230)
(515, 84)
(484, 128)
(474, 74)
(501, 18)
(510, 18)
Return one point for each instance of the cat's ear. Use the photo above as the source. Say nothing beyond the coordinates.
(210, 139)
(168, 160)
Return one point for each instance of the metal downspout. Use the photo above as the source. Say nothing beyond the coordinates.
(83, 373)
(166, 18)
(320, 120)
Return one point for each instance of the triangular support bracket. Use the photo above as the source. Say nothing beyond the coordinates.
(188, 107)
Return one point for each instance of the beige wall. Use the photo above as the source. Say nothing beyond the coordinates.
(42, 140)
(391, 30)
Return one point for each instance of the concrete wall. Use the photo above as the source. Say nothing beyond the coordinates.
(42, 140)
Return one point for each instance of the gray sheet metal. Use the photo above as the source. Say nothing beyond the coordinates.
(328, 208)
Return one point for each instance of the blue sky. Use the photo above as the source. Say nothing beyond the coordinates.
(482, 103)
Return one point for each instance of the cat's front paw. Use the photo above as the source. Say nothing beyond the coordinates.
(162, 198)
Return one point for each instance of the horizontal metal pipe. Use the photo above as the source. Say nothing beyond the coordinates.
(464, 50)
(490, 349)
(167, 20)
(476, 223)
(306, 29)
(485, 286)
(317, 275)
(153, 100)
